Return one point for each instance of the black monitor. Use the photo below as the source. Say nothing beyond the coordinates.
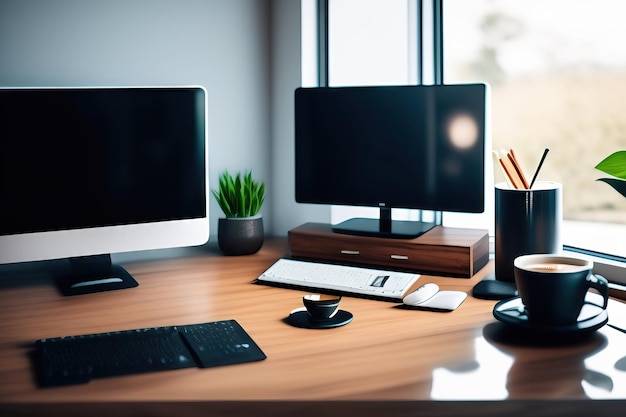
(414, 147)
(86, 172)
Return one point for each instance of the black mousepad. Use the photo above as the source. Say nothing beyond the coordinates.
(492, 289)
(512, 313)
(300, 318)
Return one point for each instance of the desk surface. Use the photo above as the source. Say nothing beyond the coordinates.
(385, 354)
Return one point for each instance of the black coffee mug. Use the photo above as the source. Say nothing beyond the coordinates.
(553, 288)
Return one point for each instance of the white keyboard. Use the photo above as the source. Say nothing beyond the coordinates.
(350, 279)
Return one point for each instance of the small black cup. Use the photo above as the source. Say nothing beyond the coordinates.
(321, 306)
(553, 287)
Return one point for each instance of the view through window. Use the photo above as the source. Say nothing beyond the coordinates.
(557, 71)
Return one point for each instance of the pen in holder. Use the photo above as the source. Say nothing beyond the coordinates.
(527, 221)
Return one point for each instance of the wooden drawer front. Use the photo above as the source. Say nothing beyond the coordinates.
(441, 252)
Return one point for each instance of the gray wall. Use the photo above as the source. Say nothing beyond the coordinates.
(246, 53)
(286, 77)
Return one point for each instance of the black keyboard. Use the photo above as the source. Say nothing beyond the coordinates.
(78, 359)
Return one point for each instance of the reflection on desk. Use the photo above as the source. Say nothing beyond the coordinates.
(386, 361)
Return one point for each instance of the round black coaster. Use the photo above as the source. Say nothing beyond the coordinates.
(302, 319)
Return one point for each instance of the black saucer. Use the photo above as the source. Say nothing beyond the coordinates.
(300, 318)
(512, 313)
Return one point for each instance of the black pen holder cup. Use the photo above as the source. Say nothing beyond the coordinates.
(526, 222)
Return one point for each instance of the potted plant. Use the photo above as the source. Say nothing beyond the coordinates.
(240, 198)
(615, 165)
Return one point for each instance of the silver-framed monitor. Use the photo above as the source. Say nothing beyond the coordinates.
(90, 171)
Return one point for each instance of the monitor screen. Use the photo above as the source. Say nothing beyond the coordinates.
(416, 147)
(94, 171)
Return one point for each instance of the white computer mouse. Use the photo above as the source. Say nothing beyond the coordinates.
(422, 294)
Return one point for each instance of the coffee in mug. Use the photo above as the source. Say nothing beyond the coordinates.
(553, 287)
(554, 267)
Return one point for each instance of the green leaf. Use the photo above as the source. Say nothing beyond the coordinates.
(614, 164)
(239, 196)
(618, 185)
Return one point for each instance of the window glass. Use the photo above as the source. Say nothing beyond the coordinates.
(557, 71)
(368, 42)
(308, 43)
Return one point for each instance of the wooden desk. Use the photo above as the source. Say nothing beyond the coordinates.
(388, 361)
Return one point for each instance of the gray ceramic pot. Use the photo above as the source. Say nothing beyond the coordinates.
(240, 236)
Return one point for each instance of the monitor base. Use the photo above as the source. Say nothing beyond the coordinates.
(92, 274)
(397, 229)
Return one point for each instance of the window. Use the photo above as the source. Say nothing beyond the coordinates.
(557, 71)
(369, 43)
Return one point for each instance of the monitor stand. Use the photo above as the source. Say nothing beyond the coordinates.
(89, 274)
(383, 227)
